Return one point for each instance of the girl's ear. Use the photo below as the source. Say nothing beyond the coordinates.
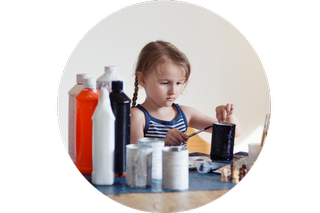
(141, 79)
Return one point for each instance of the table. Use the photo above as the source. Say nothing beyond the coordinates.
(167, 201)
(172, 201)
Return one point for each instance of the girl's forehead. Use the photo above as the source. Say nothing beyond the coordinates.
(170, 69)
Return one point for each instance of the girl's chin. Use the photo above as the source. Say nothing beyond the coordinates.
(168, 103)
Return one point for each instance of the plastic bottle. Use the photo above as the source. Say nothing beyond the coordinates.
(204, 167)
(120, 104)
(72, 115)
(86, 102)
(110, 74)
(103, 141)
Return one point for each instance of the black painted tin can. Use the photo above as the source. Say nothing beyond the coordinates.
(222, 141)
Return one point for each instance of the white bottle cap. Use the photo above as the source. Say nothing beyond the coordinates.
(89, 83)
(110, 69)
(80, 77)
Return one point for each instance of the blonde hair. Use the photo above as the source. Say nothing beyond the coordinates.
(155, 54)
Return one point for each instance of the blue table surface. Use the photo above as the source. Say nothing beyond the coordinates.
(197, 182)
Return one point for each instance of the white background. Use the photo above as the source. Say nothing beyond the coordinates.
(224, 67)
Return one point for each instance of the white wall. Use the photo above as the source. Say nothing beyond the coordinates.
(225, 68)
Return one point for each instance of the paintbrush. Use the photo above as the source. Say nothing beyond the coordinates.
(265, 129)
(193, 134)
(199, 131)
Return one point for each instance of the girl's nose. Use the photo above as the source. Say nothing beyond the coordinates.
(172, 89)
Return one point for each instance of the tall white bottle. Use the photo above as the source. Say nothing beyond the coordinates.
(110, 74)
(72, 115)
(103, 141)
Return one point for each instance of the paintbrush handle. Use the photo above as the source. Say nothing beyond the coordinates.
(199, 131)
(265, 129)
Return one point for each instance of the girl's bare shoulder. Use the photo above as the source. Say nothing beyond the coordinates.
(136, 113)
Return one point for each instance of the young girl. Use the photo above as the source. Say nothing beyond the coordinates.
(163, 71)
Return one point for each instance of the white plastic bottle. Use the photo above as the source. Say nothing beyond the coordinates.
(72, 115)
(105, 80)
(103, 141)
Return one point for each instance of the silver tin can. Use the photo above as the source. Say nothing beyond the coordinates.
(138, 165)
(175, 168)
(157, 145)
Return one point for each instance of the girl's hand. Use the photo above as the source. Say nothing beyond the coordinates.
(174, 137)
(222, 112)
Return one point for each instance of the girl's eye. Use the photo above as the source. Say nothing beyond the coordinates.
(163, 83)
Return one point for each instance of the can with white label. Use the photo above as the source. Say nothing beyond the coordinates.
(157, 145)
(175, 168)
(138, 165)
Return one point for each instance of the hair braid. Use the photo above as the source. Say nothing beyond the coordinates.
(136, 89)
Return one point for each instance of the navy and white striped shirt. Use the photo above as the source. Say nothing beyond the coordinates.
(156, 128)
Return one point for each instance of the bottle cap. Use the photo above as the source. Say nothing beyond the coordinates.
(80, 77)
(89, 83)
(110, 69)
(117, 86)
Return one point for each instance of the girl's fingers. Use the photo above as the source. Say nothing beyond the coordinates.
(175, 137)
(223, 111)
(183, 136)
(179, 136)
(224, 115)
(228, 108)
(231, 107)
(221, 114)
(218, 116)
(172, 141)
(171, 138)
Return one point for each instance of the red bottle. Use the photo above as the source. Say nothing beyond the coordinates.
(86, 102)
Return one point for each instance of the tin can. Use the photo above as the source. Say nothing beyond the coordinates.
(157, 145)
(138, 165)
(175, 168)
(222, 141)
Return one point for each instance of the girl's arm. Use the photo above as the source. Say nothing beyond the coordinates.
(198, 120)
(137, 124)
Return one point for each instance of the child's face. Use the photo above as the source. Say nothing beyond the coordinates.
(165, 86)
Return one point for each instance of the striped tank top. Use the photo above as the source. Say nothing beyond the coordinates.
(156, 128)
